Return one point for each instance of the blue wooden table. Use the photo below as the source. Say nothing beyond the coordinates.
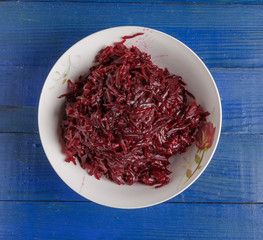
(227, 200)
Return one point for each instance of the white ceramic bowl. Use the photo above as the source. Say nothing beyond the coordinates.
(166, 51)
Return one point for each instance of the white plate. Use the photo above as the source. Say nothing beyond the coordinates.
(166, 51)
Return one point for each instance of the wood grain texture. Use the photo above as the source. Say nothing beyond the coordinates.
(23, 220)
(235, 173)
(240, 91)
(36, 34)
(250, 2)
(226, 202)
(18, 119)
(21, 86)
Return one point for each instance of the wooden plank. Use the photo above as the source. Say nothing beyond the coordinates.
(21, 86)
(38, 33)
(18, 119)
(30, 220)
(241, 98)
(235, 174)
(240, 90)
(254, 2)
(25, 161)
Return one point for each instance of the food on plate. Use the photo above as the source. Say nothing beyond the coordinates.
(127, 117)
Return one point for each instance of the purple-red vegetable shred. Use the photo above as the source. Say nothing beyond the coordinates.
(127, 117)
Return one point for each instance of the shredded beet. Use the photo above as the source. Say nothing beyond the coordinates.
(132, 36)
(127, 117)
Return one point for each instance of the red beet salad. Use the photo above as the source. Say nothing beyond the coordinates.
(127, 117)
